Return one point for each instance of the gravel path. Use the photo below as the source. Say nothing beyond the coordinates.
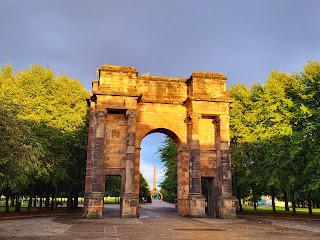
(157, 221)
(41, 226)
(311, 226)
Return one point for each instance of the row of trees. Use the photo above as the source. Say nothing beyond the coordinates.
(275, 138)
(43, 134)
(113, 187)
(43, 137)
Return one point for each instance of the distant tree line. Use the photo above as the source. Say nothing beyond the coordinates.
(43, 135)
(113, 187)
(275, 138)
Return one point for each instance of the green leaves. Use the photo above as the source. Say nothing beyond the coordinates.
(275, 131)
(144, 190)
(43, 127)
(20, 149)
(168, 155)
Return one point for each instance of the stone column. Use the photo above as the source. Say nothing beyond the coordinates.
(218, 180)
(95, 203)
(226, 202)
(137, 178)
(90, 150)
(196, 200)
(183, 180)
(129, 201)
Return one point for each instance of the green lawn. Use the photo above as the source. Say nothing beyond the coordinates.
(24, 204)
(247, 208)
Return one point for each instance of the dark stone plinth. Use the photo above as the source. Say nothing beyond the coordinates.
(95, 205)
(196, 205)
(129, 206)
(227, 207)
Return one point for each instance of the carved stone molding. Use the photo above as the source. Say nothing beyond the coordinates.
(99, 113)
(131, 113)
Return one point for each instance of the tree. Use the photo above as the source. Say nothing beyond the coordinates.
(19, 153)
(168, 155)
(307, 134)
(54, 109)
(275, 136)
(144, 190)
(113, 186)
(241, 120)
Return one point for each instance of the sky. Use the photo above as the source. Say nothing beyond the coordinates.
(244, 39)
(150, 158)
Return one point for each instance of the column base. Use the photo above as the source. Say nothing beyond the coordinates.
(129, 206)
(227, 207)
(196, 206)
(183, 207)
(95, 205)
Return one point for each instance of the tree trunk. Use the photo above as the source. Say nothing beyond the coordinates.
(47, 197)
(7, 192)
(254, 202)
(293, 202)
(75, 199)
(53, 198)
(18, 204)
(35, 201)
(273, 201)
(40, 204)
(30, 199)
(239, 198)
(309, 202)
(12, 198)
(286, 202)
(69, 201)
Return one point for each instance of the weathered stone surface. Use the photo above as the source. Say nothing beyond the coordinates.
(194, 112)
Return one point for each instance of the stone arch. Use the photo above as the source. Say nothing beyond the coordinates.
(182, 162)
(165, 131)
(194, 112)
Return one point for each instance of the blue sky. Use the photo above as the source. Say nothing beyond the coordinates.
(244, 39)
(150, 158)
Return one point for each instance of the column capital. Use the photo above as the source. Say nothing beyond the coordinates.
(102, 112)
(131, 113)
(195, 116)
(188, 120)
(191, 118)
(183, 148)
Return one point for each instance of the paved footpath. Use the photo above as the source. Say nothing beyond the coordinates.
(157, 221)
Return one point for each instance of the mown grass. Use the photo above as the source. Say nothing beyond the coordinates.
(250, 209)
(24, 204)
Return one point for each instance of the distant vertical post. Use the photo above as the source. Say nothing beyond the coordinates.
(154, 178)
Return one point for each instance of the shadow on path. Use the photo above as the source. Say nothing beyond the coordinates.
(156, 209)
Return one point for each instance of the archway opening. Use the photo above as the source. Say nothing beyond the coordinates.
(207, 184)
(112, 196)
(158, 164)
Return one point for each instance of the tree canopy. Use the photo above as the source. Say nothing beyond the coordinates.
(43, 129)
(275, 136)
(168, 155)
